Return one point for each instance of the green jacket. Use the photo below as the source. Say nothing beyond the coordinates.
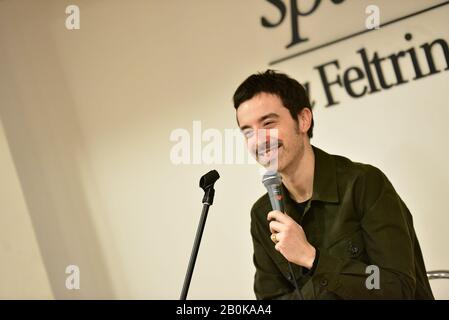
(356, 219)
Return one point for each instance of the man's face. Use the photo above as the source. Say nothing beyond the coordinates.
(285, 143)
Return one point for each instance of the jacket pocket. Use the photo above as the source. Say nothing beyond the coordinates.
(351, 246)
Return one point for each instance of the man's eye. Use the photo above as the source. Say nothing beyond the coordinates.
(268, 123)
(248, 134)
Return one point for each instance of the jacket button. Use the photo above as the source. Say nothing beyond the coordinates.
(289, 277)
(354, 250)
(323, 282)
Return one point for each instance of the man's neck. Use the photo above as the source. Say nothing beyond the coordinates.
(298, 179)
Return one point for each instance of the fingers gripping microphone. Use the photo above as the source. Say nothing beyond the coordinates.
(272, 182)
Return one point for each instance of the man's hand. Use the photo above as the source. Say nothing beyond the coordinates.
(291, 239)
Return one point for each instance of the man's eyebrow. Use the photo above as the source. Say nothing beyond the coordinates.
(270, 115)
(264, 117)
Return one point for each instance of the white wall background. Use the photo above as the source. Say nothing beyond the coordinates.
(87, 116)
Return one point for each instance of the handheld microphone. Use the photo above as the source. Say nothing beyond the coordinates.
(272, 181)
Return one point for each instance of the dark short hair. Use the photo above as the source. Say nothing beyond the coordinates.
(292, 94)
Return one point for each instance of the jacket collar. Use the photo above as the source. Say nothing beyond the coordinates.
(325, 186)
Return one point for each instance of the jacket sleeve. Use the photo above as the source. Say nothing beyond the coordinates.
(269, 282)
(386, 241)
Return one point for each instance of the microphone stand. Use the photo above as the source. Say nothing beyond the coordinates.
(207, 184)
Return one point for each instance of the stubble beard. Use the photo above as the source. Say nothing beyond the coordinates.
(296, 154)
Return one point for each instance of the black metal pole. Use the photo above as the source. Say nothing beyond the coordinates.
(207, 184)
(196, 246)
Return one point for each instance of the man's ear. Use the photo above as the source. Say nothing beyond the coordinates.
(305, 120)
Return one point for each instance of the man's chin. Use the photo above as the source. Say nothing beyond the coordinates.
(270, 165)
(277, 165)
(271, 161)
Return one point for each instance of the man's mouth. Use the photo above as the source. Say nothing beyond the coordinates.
(267, 151)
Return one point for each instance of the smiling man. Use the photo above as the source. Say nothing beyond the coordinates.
(346, 232)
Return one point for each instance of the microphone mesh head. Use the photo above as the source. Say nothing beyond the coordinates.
(271, 178)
